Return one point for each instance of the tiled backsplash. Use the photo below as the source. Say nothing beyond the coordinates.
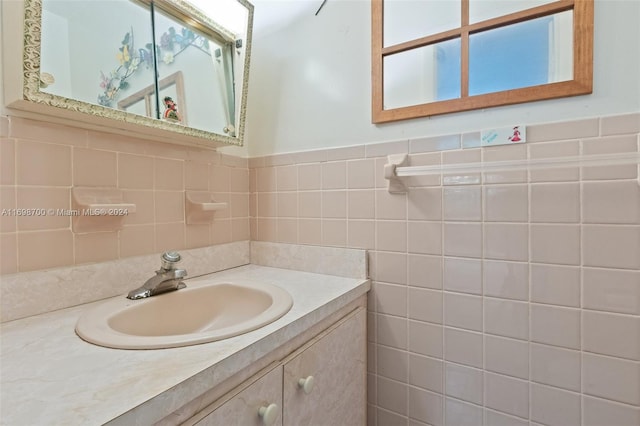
(503, 298)
(510, 298)
(41, 162)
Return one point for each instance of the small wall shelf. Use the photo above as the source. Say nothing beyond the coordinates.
(99, 209)
(200, 207)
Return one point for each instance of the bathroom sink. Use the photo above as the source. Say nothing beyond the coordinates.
(203, 312)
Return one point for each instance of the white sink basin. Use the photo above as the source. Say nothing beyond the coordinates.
(203, 312)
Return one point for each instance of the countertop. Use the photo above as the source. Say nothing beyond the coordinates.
(51, 376)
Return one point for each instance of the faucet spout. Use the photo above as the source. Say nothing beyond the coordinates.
(167, 278)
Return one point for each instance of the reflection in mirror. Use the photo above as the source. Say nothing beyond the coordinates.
(426, 74)
(89, 49)
(406, 20)
(141, 62)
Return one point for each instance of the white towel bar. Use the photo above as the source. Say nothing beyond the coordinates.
(397, 168)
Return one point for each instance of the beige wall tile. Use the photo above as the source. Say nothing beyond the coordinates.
(169, 174)
(43, 164)
(361, 204)
(426, 373)
(145, 207)
(94, 168)
(507, 394)
(506, 318)
(8, 253)
(266, 179)
(390, 299)
(42, 200)
(463, 275)
(361, 174)
(268, 204)
(309, 204)
(239, 205)
(610, 145)
(334, 175)
(95, 247)
(464, 383)
(435, 143)
(506, 203)
(391, 235)
(462, 413)
(425, 305)
(554, 407)
(425, 338)
(505, 153)
(507, 280)
(463, 239)
(424, 237)
(24, 128)
(345, 153)
(309, 176)
(611, 202)
(390, 206)
(424, 203)
(196, 176)
(431, 159)
(170, 236)
(558, 244)
(287, 178)
(221, 231)
(609, 378)
(220, 181)
(555, 326)
(463, 311)
(555, 366)
(391, 267)
(555, 202)
(287, 204)
(334, 204)
(620, 124)
(392, 395)
(361, 234)
(463, 347)
(611, 290)
(424, 271)
(7, 161)
(170, 206)
(554, 150)
(599, 412)
(462, 203)
(334, 232)
(8, 220)
(239, 179)
(392, 363)
(44, 249)
(602, 334)
(506, 241)
(198, 235)
(240, 229)
(391, 331)
(506, 356)
(287, 231)
(555, 285)
(495, 418)
(386, 148)
(563, 130)
(310, 231)
(135, 171)
(611, 246)
(137, 240)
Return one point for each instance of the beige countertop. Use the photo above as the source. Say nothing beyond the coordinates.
(51, 376)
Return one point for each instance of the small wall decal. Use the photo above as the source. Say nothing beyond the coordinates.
(503, 136)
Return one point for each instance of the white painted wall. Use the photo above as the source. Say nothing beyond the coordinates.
(310, 82)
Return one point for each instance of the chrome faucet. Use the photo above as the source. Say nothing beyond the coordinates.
(167, 278)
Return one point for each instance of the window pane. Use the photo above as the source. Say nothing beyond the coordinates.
(527, 54)
(426, 74)
(406, 20)
(481, 10)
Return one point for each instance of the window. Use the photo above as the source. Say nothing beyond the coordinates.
(433, 57)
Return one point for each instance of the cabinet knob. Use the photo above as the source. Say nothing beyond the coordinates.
(306, 384)
(269, 414)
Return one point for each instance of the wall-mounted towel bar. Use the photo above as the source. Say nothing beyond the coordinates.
(397, 166)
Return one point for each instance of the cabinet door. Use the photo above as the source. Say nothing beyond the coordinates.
(337, 364)
(243, 409)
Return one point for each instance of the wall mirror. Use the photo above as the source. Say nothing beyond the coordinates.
(148, 66)
(438, 56)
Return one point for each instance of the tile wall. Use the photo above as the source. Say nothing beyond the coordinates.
(41, 162)
(503, 299)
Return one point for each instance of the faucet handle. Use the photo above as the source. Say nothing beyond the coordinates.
(169, 260)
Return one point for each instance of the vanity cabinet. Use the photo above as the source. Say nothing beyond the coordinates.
(323, 382)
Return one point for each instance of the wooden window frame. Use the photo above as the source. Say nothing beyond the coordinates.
(581, 84)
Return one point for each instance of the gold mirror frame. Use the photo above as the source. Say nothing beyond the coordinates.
(178, 8)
